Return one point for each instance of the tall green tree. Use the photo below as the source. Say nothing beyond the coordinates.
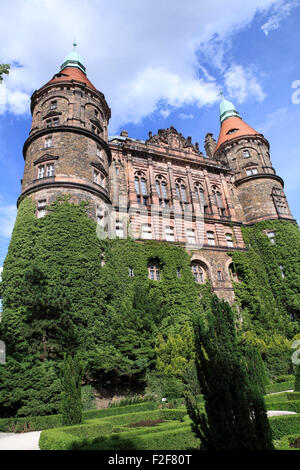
(71, 404)
(235, 415)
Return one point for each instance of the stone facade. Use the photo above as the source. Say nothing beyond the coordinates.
(163, 188)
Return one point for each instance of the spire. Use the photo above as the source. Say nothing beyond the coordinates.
(227, 109)
(73, 60)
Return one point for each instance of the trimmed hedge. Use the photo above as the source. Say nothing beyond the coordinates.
(284, 425)
(180, 438)
(293, 395)
(286, 441)
(280, 387)
(65, 438)
(39, 423)
(287, 405)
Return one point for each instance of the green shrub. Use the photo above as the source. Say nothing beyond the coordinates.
(71, 406)
(297, 379)
(293, 395)
(283, 378)
(128, 401)
(286, 442)
(284, 425)
(88, 398)
(68, 437)
(287, 405)
(38, 423)
(181, 438)
(280, 387)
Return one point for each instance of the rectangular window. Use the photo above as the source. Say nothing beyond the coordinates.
(50, 170)
(55, 122)
(229, 240)
(220, 276)
(178, 272)
(53, 105)
(191, 238)
(147, 232)
(130, 271)
(169, 234)
(271, 236)
(246, 153)
(48, 142)
(96, 176)
(119, 229)
(211, 238)
(41, 212)
(41, 172)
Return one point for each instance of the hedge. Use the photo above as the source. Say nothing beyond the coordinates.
(287, 405)
(39, 423)
(287, 441)
(280, 387)
(284, 425)
(67, 437)
(180, 438)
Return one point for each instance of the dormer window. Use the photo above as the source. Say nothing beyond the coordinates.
(232, 131)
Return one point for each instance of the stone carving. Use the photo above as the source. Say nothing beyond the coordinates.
(173, 139)
(209, 145)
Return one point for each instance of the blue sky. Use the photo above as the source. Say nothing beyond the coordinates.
(158, 64)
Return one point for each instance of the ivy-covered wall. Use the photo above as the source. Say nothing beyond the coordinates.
(268, 290)
(63, 289)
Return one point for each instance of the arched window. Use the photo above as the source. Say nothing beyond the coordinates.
(280, 200)
(232, 273)
(154, 272)
(217, 195)
(180, 190)
(211, 238)
(162, 191)
(140, 184)
(199, 272)
(199, 191)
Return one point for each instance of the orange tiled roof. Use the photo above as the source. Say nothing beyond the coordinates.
(72, 73)
(234, 123)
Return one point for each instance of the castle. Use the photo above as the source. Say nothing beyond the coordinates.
(163, 188)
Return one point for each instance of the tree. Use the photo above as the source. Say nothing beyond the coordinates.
(71, 405)
(4, 68)
(47, 326)
(235, 416)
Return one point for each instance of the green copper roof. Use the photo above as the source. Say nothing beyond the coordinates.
(227, 109)
(73, 60)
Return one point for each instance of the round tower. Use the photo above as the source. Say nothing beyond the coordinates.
(246, 152)
(67, 150)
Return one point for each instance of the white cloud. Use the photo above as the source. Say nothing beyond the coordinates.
(7, 220)
(281, 11)
(274, 119)
(138, 53)
(186, 116)
(242, 82)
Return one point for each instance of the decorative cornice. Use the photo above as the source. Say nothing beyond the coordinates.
(45, 183)
(99, 167)
(172, 138)
(45, 158)
(75, 129)
(258, 176)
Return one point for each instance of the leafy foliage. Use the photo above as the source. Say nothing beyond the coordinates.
(71, 405)
(235, 411)
(4, 69)
(297, 379)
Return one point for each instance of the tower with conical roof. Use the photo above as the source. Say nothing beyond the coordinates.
(67, 150)
(258, 189)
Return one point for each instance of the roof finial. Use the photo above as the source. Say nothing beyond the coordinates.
(74, 44)
(221, 93)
